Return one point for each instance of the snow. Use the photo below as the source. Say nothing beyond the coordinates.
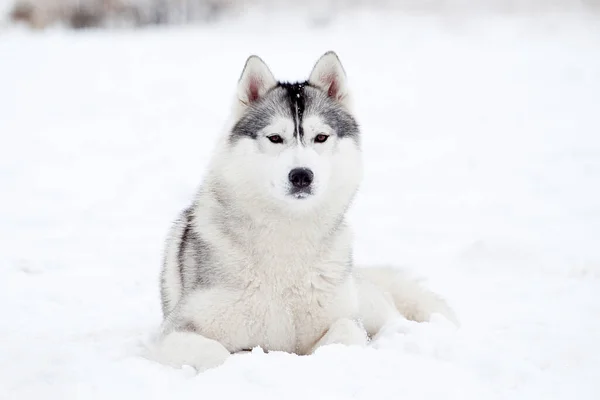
(482, 149)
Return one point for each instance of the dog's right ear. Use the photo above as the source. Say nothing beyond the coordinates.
(255, 82)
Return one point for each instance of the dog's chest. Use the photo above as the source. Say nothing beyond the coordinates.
(290, 286)
(295, 303)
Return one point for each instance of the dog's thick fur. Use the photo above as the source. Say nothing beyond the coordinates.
(259, 260)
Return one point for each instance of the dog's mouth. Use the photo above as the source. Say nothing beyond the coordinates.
(301, 193)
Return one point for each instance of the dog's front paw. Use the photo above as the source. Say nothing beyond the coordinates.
(177, 349)
(432, 307)
(343, 331)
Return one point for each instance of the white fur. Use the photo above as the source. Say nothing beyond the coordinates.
(285, 283)
(411, 299)
(186, 348)
(343, 331)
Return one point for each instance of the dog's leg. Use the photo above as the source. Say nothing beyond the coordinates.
(188, 333)
(179, 348)
(343, 331)
(376, 307)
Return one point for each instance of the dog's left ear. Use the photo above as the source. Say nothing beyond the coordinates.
(329, 75)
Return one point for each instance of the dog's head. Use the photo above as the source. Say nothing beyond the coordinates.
(294, 144)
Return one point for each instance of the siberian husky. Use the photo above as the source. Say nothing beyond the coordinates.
(263, 256)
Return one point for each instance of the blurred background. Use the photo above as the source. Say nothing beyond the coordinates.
(77, 14)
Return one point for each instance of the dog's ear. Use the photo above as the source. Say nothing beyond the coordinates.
(329, 75)
(256, 80)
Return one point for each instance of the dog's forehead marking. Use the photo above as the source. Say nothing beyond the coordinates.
(295, 101)
(297, 124)
(296, 98)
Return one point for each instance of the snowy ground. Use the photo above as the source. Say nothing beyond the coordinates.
(482, 144)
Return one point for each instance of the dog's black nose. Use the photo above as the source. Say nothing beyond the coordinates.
(301, 177)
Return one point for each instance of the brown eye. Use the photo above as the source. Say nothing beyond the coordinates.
(275, 139)
(321, 138)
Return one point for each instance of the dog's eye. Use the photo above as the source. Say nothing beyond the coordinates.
(275, 139)
(321, 138)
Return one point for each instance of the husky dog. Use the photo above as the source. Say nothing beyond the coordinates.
(263, 257)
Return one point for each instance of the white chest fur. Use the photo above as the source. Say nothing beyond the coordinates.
(281, 290)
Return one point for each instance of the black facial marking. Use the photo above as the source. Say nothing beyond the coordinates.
(296, 98)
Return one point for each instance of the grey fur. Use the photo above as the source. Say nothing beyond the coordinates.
(193, 257)
(225, 216)
(164, 300)
(257, 117)
(334, 114)
(295, 101)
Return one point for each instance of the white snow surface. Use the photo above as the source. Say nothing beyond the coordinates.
(482, 148)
